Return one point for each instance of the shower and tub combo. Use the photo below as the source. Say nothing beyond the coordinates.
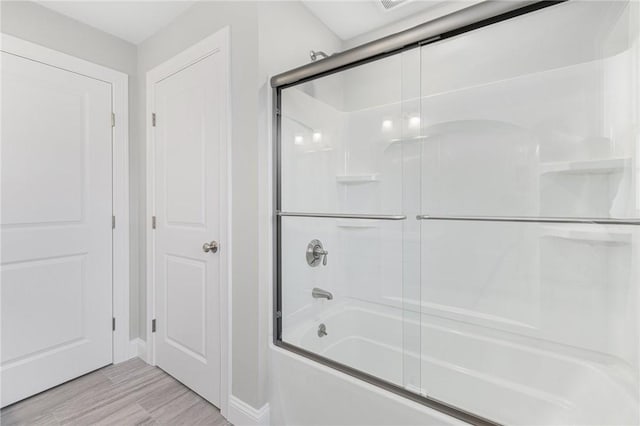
(475, 180)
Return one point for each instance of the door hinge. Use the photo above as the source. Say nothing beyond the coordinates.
(153, 222)
(113, 222)
(113, 119)
(153, 325)
(113, 324)
(153, 119)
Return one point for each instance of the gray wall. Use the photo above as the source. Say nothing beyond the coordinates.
(32, 22)
(287, 32)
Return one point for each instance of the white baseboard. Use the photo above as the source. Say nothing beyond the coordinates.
(137, 348)
(242, 414)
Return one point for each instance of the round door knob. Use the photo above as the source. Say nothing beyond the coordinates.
(210, 247)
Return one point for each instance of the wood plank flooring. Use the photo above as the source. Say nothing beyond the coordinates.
(130, 393)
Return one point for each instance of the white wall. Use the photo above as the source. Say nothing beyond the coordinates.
(37, 24)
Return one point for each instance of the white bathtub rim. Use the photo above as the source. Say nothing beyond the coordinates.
(368, 387)
(305, 326)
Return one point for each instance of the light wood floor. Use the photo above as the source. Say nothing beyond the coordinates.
(130, 393)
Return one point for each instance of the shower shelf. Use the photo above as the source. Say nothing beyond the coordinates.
(360, 178)
(359, 224)
(602, 166)
(583, 233)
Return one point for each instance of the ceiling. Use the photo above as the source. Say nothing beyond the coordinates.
(348, 19)
(133, 21)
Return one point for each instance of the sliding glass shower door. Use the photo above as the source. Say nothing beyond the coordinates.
(345, 170)
(529, 309)
(458, 222)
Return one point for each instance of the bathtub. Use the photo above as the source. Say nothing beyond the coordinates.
(499, 377)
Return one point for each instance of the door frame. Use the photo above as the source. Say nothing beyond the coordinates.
(218, 43)
(122, 348)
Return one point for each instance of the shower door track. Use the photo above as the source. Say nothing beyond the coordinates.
(462, 21)
(477, 16)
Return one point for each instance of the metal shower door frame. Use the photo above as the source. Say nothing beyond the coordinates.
(465, 20)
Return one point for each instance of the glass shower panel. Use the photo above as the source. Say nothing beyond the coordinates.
(339, 141)
(350, 170)
(527, 319)
(362, 320)
(538, 116)
(527, 323)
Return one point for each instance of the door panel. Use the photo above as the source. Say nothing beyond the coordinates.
(187, 137)
(45, 325)
(185, 300)
(44, 110)
(56, 226)
(185, 177)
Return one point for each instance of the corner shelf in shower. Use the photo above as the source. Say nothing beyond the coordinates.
(357, 178)
(601, 166)
(588, 233)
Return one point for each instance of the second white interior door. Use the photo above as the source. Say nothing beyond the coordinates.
(189, 107)
(56, 232)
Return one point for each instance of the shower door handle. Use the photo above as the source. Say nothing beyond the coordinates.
(210, 247)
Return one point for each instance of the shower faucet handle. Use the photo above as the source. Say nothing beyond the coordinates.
(319, 251)
(316, 253)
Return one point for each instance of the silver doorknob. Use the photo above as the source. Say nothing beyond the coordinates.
(210, 247)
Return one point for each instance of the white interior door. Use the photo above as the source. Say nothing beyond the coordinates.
(189, 108)
(56, 210)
